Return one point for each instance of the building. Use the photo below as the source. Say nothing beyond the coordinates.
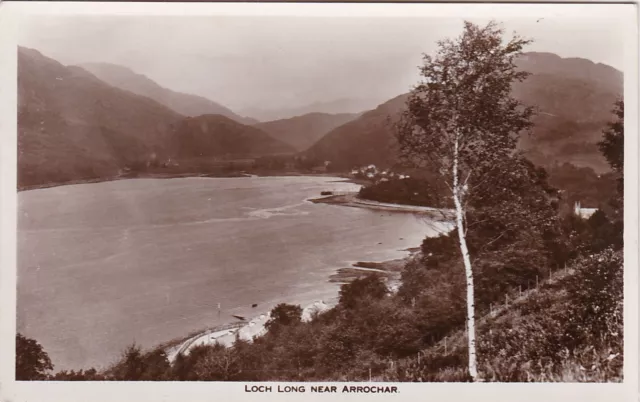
(584, 213)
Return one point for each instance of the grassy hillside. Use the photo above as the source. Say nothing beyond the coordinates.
(548, 333)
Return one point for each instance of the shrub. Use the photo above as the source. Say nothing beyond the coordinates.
(369, 287)
(282, 315)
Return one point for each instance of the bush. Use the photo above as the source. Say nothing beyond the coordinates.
(370, 287)
(411, 191)
(282, 315)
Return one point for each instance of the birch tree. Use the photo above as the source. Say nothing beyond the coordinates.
(461, 120)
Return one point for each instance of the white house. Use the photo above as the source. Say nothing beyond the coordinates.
(583, 213)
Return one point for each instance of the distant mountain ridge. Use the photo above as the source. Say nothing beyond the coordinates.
(185, 104)
(74, 126)
(572, 67)
(337, 106)
(574, 98)
(303, 131)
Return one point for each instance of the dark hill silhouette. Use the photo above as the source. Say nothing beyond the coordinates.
(367, 139)
(303, 131)
(73, 126)
(220, 136)
(572, 67)
(185, 104)
(574, 98)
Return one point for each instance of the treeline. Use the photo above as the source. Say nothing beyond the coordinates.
(409, 191)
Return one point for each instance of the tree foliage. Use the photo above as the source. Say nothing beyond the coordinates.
(465, 94)
(612, 145)
(462, 122)
(371, 287)
(32, 362)
(283, 315)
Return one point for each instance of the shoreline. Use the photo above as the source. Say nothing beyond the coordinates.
(226, 333)
(161, 175)
(130, 177)
(253, 324)
(352, 200)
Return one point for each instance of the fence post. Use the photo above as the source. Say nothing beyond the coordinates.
(536, 281)
(506, 300)
(445, 345)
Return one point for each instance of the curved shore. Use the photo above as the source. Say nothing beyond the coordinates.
(352, 200)
(226, 334)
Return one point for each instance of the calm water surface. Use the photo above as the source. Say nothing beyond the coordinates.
(148, 260)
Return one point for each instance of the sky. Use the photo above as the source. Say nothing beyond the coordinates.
(272, 62)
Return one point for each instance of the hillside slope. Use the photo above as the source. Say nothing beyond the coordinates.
(219, 136)
(303, 131)
(367, 139)
(185, 104)
(72, 126)
(527, 339)
(574, 98)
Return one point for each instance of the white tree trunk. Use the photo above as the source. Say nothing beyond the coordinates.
(471, 328)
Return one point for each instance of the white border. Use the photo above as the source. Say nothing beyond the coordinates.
(166, 391)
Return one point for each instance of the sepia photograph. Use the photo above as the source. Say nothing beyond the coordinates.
(326, 204)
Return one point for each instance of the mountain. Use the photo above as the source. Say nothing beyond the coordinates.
(572, 67)
(72, 126)
(574, 98)
(220, 136)
(185, 104)
(302, 131)
(367, 139)
(338, 106)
